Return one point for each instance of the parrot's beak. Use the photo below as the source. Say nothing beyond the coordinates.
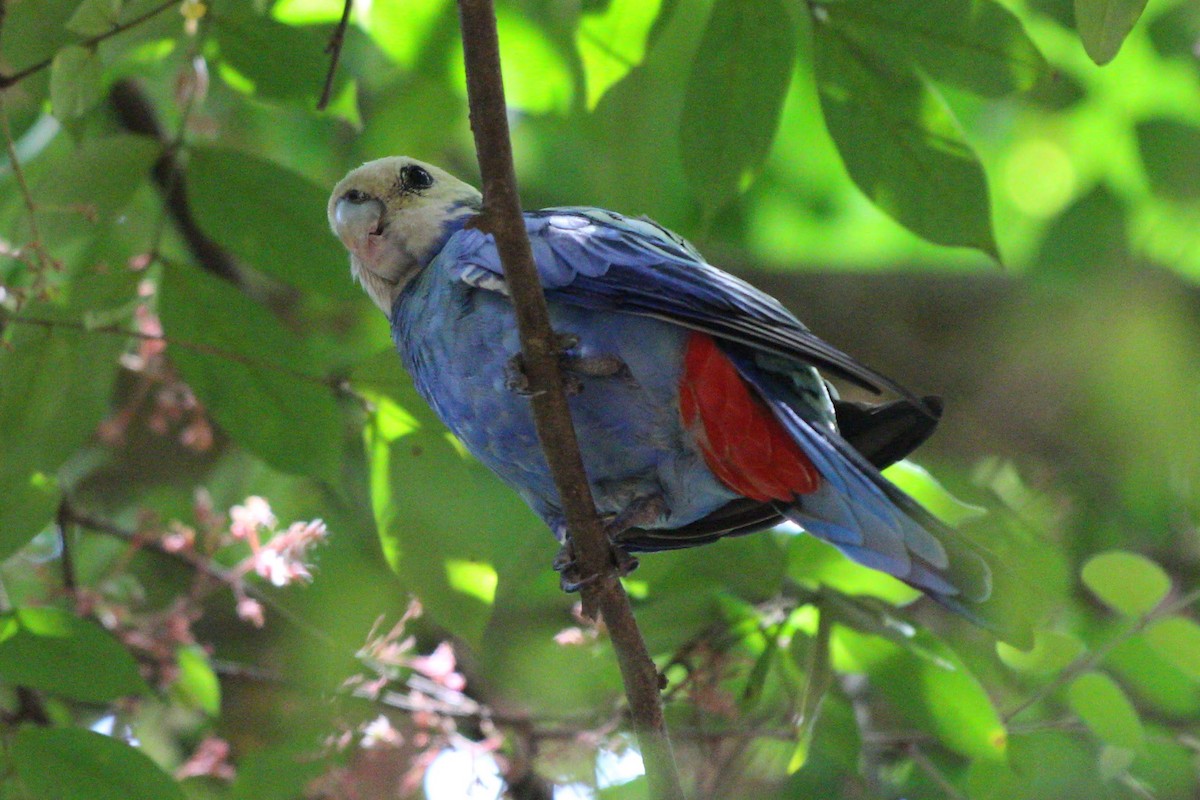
(356, 224)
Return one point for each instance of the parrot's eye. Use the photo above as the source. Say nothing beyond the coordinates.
(415, 178)
(356, 197)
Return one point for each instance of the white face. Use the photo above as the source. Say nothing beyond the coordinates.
(390, 214)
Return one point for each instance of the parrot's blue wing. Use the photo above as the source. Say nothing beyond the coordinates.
(603, 260)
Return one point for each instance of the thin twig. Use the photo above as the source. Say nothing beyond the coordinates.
(1092, 658)
(552, 417)
(9, 80)
(43, 259)
(64, 524)
(334, 48)
(936, 775)
(334, 384)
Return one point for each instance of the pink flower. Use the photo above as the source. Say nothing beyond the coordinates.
(248, 518)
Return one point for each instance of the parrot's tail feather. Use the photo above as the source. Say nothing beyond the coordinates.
(865, 515)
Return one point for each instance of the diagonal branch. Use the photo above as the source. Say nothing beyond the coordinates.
(502, 218)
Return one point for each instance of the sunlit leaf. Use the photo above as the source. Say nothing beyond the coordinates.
(1178, 640)
(1105, 709)
(76, 82)
(1104, 24)
(734, 95)
(94, 17)
(253, 375)
(900, 142)
(197, 685)
(1052, 651)
(270, 217)
(56, 652)
(77, 764)
(916, 481)
(940, 697)
(975, 44)
(1126, 582)
(613, 42)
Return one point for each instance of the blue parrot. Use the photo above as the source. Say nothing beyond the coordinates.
(696, 397)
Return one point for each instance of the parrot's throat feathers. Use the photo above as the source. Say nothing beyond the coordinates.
(403, 245)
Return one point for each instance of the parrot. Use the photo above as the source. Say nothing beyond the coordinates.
(697, 399)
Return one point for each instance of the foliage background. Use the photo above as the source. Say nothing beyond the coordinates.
(180, 334)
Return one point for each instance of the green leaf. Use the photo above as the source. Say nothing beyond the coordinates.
(280, 773)
(900, 142)
(271, 218)
(76, 82)
(937, 694)
(1126, 582)
(56, 652)
(977, 45)
(1105, 709)
(1171, 154)
(1104, 24)
(253, 375)
(197, 684)
(94, 17)
(77, 764)
(55, 386)
(735, 93)
(613, 42)
(1177, 639)
(1052, 651)
(414, 466)
(280, 61)
(918, 483)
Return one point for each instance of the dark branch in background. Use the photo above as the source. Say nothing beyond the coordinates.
(64, 524)
(540, 349)
(136, 113)
(334, 48)
(10, 80)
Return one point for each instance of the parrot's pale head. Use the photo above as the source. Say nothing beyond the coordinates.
(393, 215)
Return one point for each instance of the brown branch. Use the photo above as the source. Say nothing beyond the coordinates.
(334, 48)
(552, 417)
(10, 80)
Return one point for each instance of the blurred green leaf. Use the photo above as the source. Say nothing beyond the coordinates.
(254, 376)
(1105, 709)
(94, 17)
(937, 695)
(977, 45)
(76, 764)
(810, 560)
(734, 95)
(280, 773)
(55, 386)
(56, 652)
(280, 61)
(76, 82)
(1104, 24)
(197, 684)
(1155, 682)
(1115, 761)
(1088, 237)
(918, 483)
(612, 42)
(1126, 582)
(1052, 651)
(271, 218)
(1178, 640)
(1171, 154)
(900, 142)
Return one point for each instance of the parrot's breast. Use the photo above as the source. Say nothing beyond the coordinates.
(457, 341)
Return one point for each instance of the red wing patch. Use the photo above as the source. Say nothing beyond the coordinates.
(742, 442)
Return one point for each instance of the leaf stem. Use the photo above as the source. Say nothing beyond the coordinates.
(334, 48)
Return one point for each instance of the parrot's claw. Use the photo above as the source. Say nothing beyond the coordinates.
(567, 567)
(574, 367)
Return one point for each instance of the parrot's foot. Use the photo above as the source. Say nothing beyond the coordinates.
(641, 512)
(567, 567)
(573, 367)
